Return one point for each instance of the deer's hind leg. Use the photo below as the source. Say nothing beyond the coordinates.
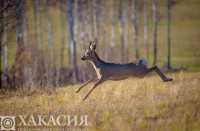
(87, 82)
(158, 71)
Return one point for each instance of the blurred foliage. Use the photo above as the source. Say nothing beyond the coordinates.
(185, 32)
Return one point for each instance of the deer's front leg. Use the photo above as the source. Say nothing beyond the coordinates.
(95, 85)
(87, 82)
(162, 76)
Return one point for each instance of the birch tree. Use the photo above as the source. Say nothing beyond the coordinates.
(18, 65)
(3, 40)
(62, 34)
(113, 24)
(168, 34)
(155, 28)
(36, 7)
(49, 27)
(1, 23)
(50, 45)
(94, 17)
(122, 17)
(135, 21)
(146, 29)
(19, 23)
(3, 36)
(72, 42)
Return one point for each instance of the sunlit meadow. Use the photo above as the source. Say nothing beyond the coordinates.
(133, 104)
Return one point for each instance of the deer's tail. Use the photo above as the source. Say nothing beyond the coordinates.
(142, 62)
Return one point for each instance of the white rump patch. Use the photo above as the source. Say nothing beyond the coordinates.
(142, 62)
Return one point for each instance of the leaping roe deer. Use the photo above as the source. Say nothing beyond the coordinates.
(111, 71)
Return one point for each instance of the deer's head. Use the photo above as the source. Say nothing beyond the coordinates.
(90, 52)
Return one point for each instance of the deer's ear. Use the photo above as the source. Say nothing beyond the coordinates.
(92, 45)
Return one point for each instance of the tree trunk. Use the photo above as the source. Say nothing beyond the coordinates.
(1, 23)
(62, 20)
(3, 48)
(50, 46)
(146, 30)
(18, 66)
(19, 23)
(122, 17)
(49, 26)
(71, 38)
(37, 23)
(155, 26)
(168, 34)
(2, 32)
(94, 17)
(135, 21)
(113, 32)
(113, 24)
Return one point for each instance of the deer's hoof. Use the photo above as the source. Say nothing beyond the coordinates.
(84, 99)
(168, 79)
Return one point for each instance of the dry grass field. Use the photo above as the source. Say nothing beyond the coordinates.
(130, 105)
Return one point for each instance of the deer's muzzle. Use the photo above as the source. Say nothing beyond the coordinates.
(83, 58)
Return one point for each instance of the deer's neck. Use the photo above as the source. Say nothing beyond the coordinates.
(96, 62)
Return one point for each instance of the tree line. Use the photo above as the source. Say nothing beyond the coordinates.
(40, 61)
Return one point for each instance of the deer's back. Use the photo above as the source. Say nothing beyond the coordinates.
(120, 71)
